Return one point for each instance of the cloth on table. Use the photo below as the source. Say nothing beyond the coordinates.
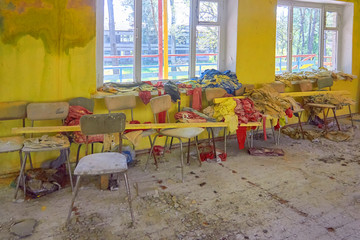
(188, 117)
(196, 99)
(209, 111)
(333, 99)
(269, 102)
(73, 119)
(172, 89)
(145, 96)
(227, 80)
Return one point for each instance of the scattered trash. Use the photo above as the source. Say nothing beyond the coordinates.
(266, 152)
(23, 228)
(40, 181)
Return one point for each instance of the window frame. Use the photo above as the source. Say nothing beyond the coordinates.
(324, 7)
(194, 22)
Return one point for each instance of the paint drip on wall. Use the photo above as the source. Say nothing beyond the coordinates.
(60, 25)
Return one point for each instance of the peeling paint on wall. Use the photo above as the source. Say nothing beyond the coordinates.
(50, 21)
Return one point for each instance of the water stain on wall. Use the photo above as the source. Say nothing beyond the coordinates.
(60, 25)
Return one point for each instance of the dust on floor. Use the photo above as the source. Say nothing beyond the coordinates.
(310, 193)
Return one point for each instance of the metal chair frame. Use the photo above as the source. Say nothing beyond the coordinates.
(108, 120)
(27, 152)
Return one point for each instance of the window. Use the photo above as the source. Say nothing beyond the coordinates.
(142, 40)
(307, 36)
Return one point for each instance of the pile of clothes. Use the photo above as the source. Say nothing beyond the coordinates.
(312, 75)
(334, 99)
(227, 80)
(270, 102)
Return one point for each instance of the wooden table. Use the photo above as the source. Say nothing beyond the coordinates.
(291, 94)
(52, 129)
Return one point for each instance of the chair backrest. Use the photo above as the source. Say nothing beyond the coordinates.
(212, 93)
(87, 103)
(325, 82)
(102, 123)
(12, 110)
(47, 111)
(118, 103)
(160, 104)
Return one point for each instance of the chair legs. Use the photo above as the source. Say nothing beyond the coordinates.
(74, 194)
(181, 160)
(21, 176)
(69, 169)
(127, 185)
(197, 150)
(151, 151)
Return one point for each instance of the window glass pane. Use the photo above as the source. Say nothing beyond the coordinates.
(330, 49)
(207, 48)
(150, 57)
(331, 19)
(118, 54)
(178, 39)
(282, 16)
(305, 45)
(208, 11)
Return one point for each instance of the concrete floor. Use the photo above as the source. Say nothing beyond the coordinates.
(310, 193)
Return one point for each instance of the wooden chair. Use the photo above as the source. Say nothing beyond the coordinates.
(126, 102)
(163, 104)
(106, 162)
(88, 104)
(44, 111)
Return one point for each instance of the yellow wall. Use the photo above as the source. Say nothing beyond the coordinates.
(255, 62)
(47, 53)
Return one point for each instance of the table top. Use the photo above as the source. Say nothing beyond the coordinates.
(320, 105)
(50, 129)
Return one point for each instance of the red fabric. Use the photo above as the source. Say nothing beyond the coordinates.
(145, 96)
(196, 101)
(264, 128)
(277, 126)
(289, 113)
(185, 115)
(223, 157)
(158, 150)
(73, 119)
(241, 137)
(245, 111)
(162, 115)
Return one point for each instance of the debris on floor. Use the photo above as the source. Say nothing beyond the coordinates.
(266, 152)
(23, 228)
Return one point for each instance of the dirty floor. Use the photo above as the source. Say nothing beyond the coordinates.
(313, 192)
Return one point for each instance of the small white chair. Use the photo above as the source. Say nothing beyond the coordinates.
(163, 104)
(106, 162)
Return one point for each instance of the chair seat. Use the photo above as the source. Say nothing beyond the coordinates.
(11, 144)
(182, 132)
(147, 133)
(101, 163)
(46, 143)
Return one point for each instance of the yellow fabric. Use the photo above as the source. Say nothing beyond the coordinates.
(233, 122)
(225, 108)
